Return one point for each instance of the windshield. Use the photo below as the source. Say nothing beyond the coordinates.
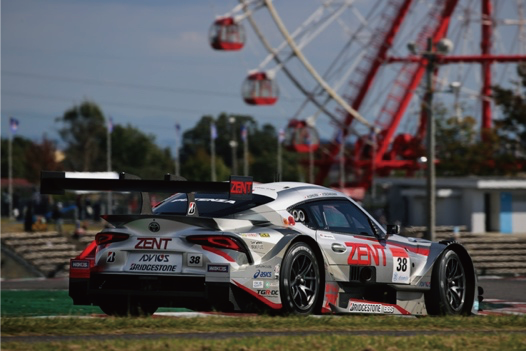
(209, 205)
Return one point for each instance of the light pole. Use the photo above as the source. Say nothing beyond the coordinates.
(455, 87)
(310, 128)
(178, 128)
(430, 142)
(281, 137)
(431, 55)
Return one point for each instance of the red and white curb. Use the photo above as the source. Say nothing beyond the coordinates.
(501, 307)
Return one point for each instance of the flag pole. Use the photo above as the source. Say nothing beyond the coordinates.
(13, 126)
(279, 156)
(245, 137)
(109, 160)
(10, 172)
(177, 149)
(234, 144)
(213, 135)
(311, 161)
(342, 178)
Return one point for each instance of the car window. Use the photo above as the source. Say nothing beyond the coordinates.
(317, 219)
(339, 216)
(334, 217)
(210, 205)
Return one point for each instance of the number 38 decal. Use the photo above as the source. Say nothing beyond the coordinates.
(401, 266)
(194, 260)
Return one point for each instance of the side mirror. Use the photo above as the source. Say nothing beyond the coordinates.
(393, 229)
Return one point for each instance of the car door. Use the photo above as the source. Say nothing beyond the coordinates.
(353, 247)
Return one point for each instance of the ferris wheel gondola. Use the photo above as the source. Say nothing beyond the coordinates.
(301, 137)
(259, 89)
(226, 34)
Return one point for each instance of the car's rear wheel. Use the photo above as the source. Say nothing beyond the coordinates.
(448, 291)
(127, 306)
(300, 280)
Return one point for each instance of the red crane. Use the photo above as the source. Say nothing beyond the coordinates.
(385, 152)
(381, 149)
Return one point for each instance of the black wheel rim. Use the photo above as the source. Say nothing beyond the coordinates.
(303, 278)
(455, 283)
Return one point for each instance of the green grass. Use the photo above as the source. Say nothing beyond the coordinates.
(42, 303)
(322, 342)
(69, 326)
(48, 303)
(19, 309)
(481, 333)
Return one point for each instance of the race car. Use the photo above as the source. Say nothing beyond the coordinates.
(283, 247)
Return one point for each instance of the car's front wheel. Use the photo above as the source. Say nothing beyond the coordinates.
(300, 280)
(448, 291)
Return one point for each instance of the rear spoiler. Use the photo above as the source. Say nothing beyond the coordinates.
(238, 187)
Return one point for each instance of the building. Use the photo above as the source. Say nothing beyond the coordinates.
(478, 203)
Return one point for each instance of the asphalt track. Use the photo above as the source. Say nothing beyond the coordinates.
(502, 295)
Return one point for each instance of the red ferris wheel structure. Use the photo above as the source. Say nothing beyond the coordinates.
(356, 83)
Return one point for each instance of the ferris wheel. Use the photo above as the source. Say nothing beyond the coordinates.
(372, 87)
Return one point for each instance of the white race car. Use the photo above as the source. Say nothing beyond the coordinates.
(282, 247)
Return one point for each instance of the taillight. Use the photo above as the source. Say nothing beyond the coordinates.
(109, 237)
(89, 251)
(217, 241)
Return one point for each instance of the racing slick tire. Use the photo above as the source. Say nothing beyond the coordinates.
(300, 281)
(448, 291)
(127, 306)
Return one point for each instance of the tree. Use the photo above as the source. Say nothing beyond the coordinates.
(463, 149)
(460, 149)
(197, 168)
(265, 144)
(40, 157)
(20, 145)
(199, 136)
(84, 133)
(511, 126)
(196, 142)
(29, 158)
(262, 150)
(136, 153)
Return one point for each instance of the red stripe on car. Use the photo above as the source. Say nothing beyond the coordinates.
(218, 252)
(257, 296)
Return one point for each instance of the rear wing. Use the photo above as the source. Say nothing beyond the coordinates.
(238, 187)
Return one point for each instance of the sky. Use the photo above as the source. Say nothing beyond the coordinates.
(145, 63)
